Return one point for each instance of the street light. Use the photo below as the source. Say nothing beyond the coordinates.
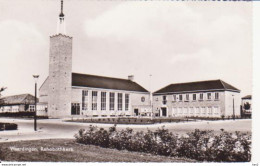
(233, 108)
(35, 101)
(151, 96)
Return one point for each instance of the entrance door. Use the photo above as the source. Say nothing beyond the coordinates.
(164, 111)
(75, 109)
(136, 112)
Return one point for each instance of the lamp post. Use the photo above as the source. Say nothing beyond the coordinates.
(35, 102)
(233, 108)
(151, 96)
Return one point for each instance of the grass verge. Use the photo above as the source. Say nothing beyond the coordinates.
(80, 153)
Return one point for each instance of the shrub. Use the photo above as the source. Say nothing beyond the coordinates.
(2, 156)
(199, 145)
(8, 126)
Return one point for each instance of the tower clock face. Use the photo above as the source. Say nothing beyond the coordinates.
(143, 99)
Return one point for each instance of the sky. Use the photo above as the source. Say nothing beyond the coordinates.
(172, 41)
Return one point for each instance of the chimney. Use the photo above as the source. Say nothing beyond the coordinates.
(131, 77)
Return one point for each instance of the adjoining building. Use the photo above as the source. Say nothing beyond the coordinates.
(213, 98)
(246, 106)
(68, 94)
(17, 103)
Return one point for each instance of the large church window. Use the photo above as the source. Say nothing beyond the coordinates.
(103, 100)
(112, 101)
(84, 100)
(120, 101)
(126, 102)
(94, 100)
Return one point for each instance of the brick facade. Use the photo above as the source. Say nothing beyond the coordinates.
(59, 81)
(214, 107)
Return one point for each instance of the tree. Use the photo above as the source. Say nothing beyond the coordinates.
(2, 89)
(247, 106)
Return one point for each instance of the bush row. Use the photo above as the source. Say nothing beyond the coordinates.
(23, 114)
(199, 145)
(15, 114)
(8, 126)
(130, 120)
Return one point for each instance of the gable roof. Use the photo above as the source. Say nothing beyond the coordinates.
(86, 80)
(197, 86)
(17, 99)
(247, 97)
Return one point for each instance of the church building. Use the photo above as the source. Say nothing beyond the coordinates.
(68, 94)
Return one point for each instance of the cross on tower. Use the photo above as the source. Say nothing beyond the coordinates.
(61, 12)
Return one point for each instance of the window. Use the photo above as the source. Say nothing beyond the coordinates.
(103, 100)
(164, 100)
(187, 97)
(209, 96)
(194, 96)
(209, 110)
(174, 111)
(94, 100)
(31, 108)
(191, 110)
(112, 101)
(180, 111)
(180, 97)
(197, 111)
(203, 110)
(142, 99)
(174, 97)
(201, 96)
(126, 102)
(216, 110)
(119, 101)
(185, 110)
(216, 96)
(84, 100)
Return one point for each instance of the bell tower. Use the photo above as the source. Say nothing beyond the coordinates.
(60, 71)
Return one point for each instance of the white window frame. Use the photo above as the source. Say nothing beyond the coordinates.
(209, 96)
(120, 101)
(111, 101)
(195, 97)
(180, 97)
(127, 99)
(84, 99)
(103, 100)
(187, 97)
(216, 96)
(94, 100)
(201, 96)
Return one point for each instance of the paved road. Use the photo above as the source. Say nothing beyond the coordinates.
(56, 128)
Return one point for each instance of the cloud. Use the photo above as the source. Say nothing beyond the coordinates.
(204, 54)
(193, 41)
(140, 20)
(21, 46)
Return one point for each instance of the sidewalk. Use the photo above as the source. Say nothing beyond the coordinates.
(56, 128)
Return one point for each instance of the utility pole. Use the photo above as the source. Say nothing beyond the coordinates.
(151, 96)
(233, 108)
(35, 102)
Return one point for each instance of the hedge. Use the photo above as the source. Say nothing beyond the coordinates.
(131, 120)
(198, 145)
(8, 126)
(23, 114)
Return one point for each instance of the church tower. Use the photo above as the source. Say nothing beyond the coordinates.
(60, 71)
